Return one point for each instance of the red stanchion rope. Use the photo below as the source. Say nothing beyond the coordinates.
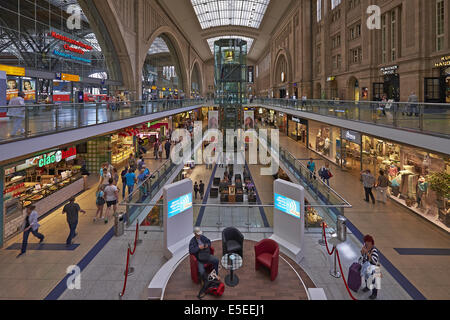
(326, 243)
(126, 273)
(339, 260)
(135, 238)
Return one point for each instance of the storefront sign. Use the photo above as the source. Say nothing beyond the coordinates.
(331, 79)
(351, 136)
(444, 62)
(296, 120)
(70, 56)
(12, 71)
(71, 41)
(389, 70)
(54, 157)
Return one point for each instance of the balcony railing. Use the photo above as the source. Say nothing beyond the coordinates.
(426, 118)
(34, 120)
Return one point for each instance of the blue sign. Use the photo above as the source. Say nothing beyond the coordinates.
(287, 205)
(179, 205)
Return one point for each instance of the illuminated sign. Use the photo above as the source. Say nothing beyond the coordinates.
(351, 136)
(67, 77)
(389, 70)
(70, 56)
(331, 79)
(287, 205)
(444, 62)
(71, 41)
(58, 156)
(12, 71)
(179, 205)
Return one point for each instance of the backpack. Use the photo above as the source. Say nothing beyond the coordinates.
(211, 286)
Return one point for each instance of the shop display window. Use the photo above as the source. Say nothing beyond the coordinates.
(325, 140)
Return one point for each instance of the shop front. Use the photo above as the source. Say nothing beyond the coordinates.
(390, 87)
(437, 89)
(351, 150)
(412, 173)
(44, 181)
(298, 129)
(280, 121)
(325, 140)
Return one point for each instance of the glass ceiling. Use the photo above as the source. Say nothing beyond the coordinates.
(212, 40)
(158, 46)
(215, 13)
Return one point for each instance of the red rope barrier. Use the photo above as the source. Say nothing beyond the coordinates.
(135, 238)
(339, 260)
(326, 243)
(126, 273)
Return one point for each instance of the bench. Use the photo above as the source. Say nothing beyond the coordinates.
(159, 281)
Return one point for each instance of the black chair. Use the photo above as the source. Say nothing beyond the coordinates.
(216, 182)
(214, 193)
(232, 241)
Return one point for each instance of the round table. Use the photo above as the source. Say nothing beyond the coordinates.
(231, 264)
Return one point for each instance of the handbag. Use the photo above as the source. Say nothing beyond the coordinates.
(203, 255)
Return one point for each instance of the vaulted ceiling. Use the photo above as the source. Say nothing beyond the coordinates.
(203, 21)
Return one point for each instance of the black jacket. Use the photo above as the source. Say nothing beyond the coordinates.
(193, 245)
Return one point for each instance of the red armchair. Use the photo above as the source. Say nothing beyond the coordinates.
(194, 267)
(267, 254)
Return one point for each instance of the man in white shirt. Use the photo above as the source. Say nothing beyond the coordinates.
(17, 113)
(111, 196)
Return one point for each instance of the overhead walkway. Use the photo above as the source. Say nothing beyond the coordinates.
(421, 125)
(47, 126)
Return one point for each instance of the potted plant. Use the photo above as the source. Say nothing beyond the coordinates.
(440, 183)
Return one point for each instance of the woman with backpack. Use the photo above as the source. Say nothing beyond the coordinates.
(100, 202)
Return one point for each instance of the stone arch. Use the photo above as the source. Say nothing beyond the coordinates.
(282, 55)
(173, 38)
(353, 89)
(196, 66)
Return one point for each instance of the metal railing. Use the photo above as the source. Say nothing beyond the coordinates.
(427, 118)
(33, 120)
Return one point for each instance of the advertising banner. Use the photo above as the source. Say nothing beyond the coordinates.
(249, 120)
(179, 205)
(12, 88)
(287, 205)
(29, 89)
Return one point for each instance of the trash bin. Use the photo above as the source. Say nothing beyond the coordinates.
(341, 227)
(119, 224)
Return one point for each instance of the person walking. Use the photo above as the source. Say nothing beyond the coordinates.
(311, 167)
(132, 163)
(382, 187)
(167, 147)
(104, 179)
(17, 113)
(71, 211)
(369, 262)
(100, 202)
(201, 188)
(413, 100)
(111, 197)
(124, 181)
(160, 150)
(368, 182)
(196, 189)
(130, 178)
(142, 185)
(30, 225)
(156, 149)
(115, 176)
(325, 173)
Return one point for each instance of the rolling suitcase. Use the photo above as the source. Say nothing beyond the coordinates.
(354, 277)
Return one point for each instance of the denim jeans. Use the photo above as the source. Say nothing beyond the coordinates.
(72, 227)
(26, 235)
(212, 260)
(130, 191)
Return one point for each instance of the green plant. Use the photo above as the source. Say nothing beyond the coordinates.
(440, 183)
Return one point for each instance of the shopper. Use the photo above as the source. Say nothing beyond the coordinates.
(111, 197)
(115, 176)
(104, 179)
(100, 202)
(142, 185)
(382, 187)
(369, 262)
(325, 173)
(198, 244)
(130, 178)
(167, 147)
(413, 100)
(124, 181)
(132, 163)
(160, 150)
(368, 182)
(71, 211)
(196, 189)
(311, 167)
(156, 149)
(16, 111)
(201, 189)
(30, 225)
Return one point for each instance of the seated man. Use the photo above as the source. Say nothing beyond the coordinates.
(200, 242)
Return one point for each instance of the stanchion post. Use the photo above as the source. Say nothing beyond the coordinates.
(334, 272)
(130, 269)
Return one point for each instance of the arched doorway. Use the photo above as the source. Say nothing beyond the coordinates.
(281, 77)
(161, 71)
(354, 90)
(196, 81)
